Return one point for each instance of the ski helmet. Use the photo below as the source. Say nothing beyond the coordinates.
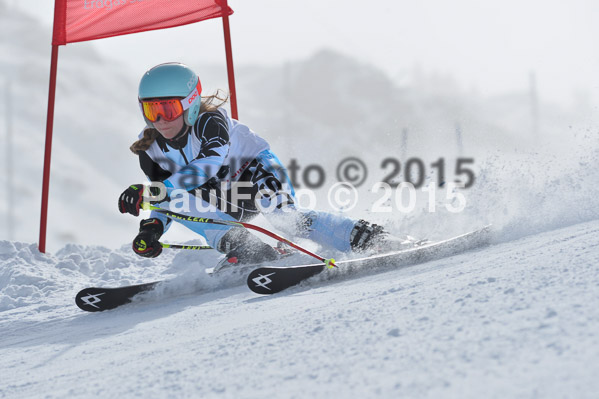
(173, 80)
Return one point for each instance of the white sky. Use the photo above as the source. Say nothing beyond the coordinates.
(488, 45)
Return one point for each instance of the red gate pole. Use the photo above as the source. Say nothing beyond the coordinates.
(229, 53)
(48, 150)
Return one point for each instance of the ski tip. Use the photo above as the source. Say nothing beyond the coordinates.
(271, 280)
(91, 300)
(259, 281)
(98, 299)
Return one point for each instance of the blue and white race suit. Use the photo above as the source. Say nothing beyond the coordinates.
(252, 180)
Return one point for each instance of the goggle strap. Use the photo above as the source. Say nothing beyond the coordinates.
(192, 97)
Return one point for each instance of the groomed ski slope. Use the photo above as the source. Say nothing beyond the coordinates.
(517, 319)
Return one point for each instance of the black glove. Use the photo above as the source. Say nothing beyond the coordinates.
(146, 243)
(130, 200)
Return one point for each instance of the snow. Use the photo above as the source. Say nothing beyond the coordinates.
(515, 319)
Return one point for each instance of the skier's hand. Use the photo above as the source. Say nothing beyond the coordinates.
(131, 199)
(146, 243)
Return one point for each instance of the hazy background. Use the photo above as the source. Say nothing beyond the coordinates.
(488, 46)
(512, 85)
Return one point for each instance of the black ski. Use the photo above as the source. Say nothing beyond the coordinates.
(270, 280)
(97, 299)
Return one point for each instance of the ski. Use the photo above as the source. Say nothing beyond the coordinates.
(270, 280)
(97, 299)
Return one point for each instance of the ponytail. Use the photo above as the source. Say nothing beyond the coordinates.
(145, 142)
(213, 102)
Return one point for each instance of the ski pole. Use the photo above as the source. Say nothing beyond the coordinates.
(179, 246)
(330, 263)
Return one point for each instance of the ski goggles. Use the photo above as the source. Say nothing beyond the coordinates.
(169, 108)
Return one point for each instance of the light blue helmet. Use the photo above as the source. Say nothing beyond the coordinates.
(171, 80)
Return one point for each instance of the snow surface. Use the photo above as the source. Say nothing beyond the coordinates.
(516, 319)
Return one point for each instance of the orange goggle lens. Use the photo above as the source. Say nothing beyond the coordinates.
(169, 109)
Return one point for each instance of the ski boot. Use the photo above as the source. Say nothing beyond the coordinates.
(243, 248)
(367, 237)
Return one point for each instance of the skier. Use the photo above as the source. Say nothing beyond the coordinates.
(204, 157)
